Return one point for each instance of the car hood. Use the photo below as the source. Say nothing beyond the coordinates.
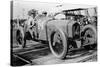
(60, 24)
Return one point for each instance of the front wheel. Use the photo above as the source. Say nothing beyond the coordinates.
(58, 44)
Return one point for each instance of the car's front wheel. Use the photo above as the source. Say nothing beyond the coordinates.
(58, 44)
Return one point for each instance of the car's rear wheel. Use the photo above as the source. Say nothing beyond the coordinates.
(58, 44)
(89, 38)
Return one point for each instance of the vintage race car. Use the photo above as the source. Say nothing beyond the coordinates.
(62, 33)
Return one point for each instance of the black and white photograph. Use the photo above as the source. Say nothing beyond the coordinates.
(44, 33)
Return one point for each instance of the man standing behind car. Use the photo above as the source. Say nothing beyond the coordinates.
(31, 19)
(29, 24)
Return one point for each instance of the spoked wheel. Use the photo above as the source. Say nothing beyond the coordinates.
(20, 38)
(58, 44)
(89, 38)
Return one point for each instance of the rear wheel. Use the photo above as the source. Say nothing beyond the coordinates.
(58, 44)
(89, 38)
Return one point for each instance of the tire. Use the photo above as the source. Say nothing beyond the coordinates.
(90, 37)
(20, 38)
(61, 50)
